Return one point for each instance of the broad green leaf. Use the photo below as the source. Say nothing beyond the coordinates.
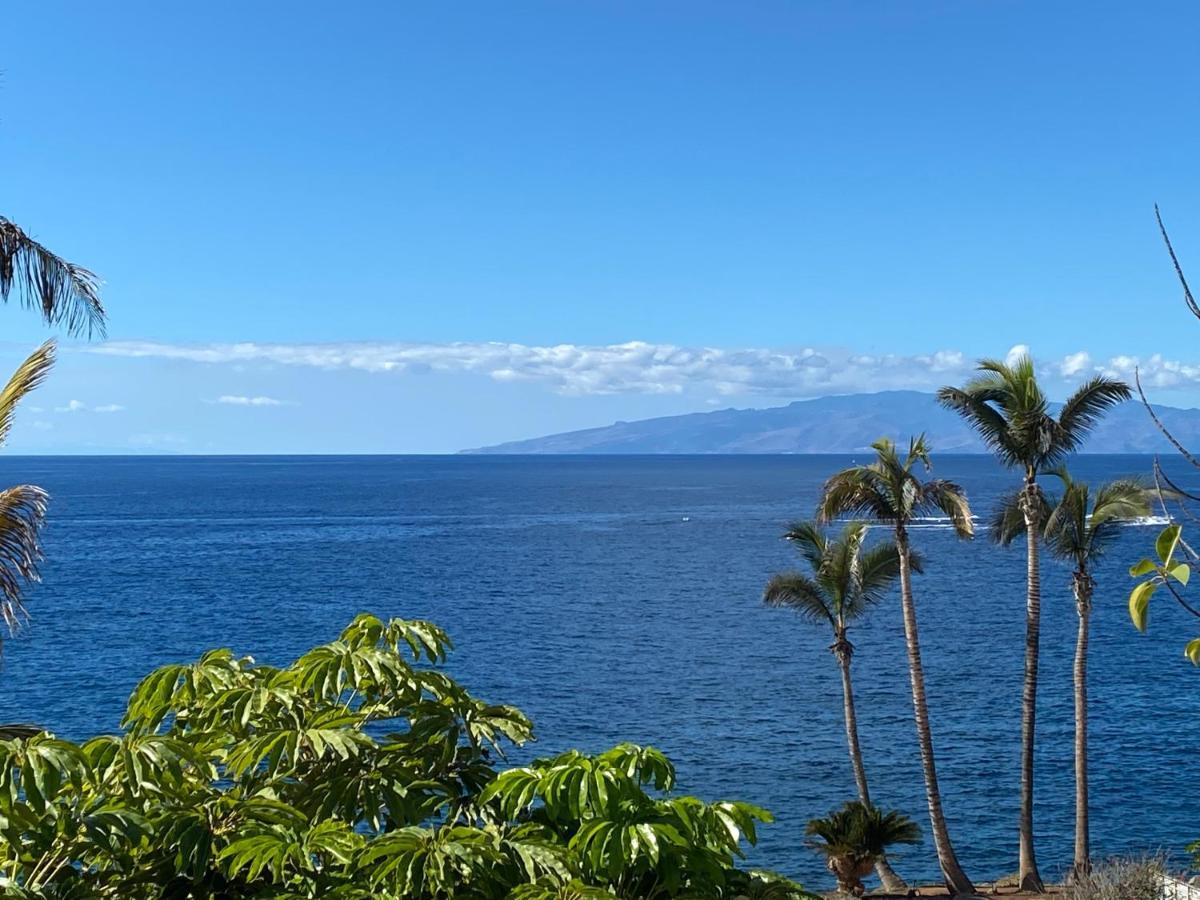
(1168, 539)
(1180, 572)
(1145, 567)
(1139, 603)
(1192, 651)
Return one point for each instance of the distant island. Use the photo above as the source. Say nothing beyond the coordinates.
(844, 424)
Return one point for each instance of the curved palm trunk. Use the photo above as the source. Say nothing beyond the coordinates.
(888, 878)
(1082, 583)
(1029, 878)
(956, 879)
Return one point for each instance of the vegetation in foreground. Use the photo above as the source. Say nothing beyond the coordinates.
(359, 771)
(854, 838)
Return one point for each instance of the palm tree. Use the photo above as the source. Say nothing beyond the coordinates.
(888, 491)
(846, 581)
(1006, 406)
(1079, 530)
(65, 295)
(857, 835)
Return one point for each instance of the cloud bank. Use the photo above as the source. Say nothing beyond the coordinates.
(638, 367)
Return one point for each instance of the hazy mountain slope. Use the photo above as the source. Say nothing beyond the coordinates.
(845, 424)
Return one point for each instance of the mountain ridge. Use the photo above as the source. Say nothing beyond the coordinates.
(845, 423)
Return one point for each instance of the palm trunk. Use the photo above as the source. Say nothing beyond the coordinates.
(1029, 879)
(891, 882)
(955, 878)
(1083, 604)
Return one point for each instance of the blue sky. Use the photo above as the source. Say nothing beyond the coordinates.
(419, 227)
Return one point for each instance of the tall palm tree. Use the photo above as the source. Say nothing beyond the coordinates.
(846, 580)
(1008, 409)
(66, 295)
(888, 491)
(1079, 529)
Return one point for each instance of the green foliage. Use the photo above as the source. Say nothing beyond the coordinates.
(847, 578)
(1006, 406)
(889, 491)
(361, 770)
(853, 837)
(1165, 572)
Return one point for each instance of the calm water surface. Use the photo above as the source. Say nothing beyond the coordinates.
(618, 599)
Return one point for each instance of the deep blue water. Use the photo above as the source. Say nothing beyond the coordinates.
(576, 589)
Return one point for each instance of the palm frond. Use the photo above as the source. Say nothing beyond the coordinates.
(809, 540)
(22, 513)
(1082, 535)
(28, 376)
(878, 570)
(951, 499)
(918, 451)
(1007, 521)
(1067, 528)
(1123, 498)
(972, 404)
(797, 592)
(1086, 406)
(65, 294)
(859, 492)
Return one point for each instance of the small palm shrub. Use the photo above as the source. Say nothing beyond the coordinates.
(854, 837)
(1119, 879)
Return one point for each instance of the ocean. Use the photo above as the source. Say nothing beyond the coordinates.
(618, 599)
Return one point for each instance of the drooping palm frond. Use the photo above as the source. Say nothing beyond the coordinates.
(879, 567)
(859, 492)
(951, 499)
(22, 513)
(988, 423)
(65, 294)
(1007, 521)
(28, 376)
(1122, 499)
(1086, 406)
(809, 540)
(796, 591)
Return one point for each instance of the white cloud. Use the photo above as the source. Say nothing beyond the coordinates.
(1016, 353)
(573, 369)
(638, 367)
(74, 406)
(232, 400)
(1075, 363)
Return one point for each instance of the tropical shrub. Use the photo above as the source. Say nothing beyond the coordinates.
(1119, 879)
(854, 837)
(360, 770)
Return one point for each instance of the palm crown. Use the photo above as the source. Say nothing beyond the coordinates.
(888, 490)
(1007, 408)
(1075, 533)
(847, 578)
